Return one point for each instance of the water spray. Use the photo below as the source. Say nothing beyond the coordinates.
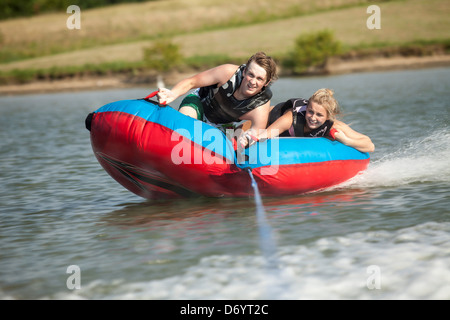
(267, 243)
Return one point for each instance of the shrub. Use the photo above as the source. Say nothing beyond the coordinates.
(162, 56)
(312, 50)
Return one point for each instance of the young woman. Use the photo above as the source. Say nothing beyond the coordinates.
(315, 117)
(228, 93)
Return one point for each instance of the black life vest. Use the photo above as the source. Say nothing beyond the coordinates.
(298, 107)
(219, 104)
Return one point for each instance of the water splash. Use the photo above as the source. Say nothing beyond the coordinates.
(267, 242)
(420, 161)
(276, 282)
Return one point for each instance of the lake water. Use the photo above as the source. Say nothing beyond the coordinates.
(69, 231)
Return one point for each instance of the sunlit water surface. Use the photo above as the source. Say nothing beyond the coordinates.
(383, 235)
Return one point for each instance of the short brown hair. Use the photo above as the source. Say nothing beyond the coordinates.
(267, 63)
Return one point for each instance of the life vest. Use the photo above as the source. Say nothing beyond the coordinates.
(298, 107)
(219, 104)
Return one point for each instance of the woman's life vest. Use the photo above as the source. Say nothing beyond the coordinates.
(298, 107)
(219, 104)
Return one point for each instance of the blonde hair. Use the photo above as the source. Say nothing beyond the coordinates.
(325, 98)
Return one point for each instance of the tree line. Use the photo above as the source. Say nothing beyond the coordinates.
(26, 8)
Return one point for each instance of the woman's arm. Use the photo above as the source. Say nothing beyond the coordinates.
(352, 138)
(282, 124)
(257, 132)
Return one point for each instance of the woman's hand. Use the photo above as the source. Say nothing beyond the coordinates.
(340, 136)
(348, 136)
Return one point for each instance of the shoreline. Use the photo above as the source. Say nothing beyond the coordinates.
(334, 66)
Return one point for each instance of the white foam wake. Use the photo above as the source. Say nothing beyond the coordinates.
(422, 160)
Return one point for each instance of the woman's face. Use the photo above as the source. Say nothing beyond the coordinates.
(316, 115)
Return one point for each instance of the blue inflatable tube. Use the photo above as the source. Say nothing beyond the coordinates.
(157, 152)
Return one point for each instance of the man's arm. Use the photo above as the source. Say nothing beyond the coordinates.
(258, 116)
(218, 75)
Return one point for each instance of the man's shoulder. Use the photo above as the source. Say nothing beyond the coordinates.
(224, 72)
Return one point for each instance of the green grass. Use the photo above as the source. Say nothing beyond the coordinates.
(126, 23)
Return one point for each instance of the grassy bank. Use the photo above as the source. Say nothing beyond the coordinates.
(112, 39)
(128, 23)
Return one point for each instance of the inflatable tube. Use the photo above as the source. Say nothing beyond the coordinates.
(157, 152)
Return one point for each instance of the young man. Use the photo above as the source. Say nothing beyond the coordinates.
(228, 93)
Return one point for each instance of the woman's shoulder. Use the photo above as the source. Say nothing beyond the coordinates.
(338, 124)
(297, 104)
